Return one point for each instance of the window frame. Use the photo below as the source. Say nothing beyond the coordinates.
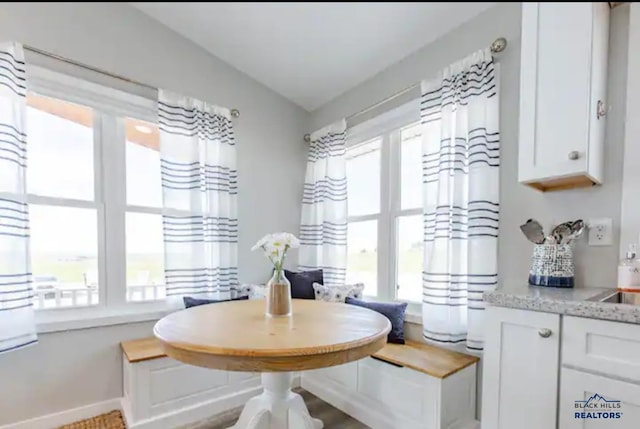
(110, 107)
(388, 126)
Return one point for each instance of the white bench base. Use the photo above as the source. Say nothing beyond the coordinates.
(385, 396)
(165, 394)
(277, 407)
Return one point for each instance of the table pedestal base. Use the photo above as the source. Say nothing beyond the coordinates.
(277, 407)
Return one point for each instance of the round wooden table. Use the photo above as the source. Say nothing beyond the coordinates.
(238, 336)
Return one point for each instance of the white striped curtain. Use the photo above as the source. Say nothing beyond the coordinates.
(323, 228)
(200, 187)
(460, 164)
(17, 323)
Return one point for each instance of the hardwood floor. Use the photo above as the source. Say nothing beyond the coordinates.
(332, 417)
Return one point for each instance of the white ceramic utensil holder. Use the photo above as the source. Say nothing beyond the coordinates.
(552, 265)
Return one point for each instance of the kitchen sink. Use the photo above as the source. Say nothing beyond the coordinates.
(619, 298)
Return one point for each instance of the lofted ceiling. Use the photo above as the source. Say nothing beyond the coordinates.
(311, 52)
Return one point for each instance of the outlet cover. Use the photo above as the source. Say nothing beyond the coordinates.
(600, 232)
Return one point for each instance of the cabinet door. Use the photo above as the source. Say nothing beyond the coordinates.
(555, 85)
(520, 381)
(618, 399)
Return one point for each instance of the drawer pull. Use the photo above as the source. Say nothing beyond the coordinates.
(573, 155)
(544, 333)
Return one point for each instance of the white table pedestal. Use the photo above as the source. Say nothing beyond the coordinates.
(277, 407)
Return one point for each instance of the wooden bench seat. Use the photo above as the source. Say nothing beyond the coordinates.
(142, 349)
(431, 360)
(425, 358)
(412, 385)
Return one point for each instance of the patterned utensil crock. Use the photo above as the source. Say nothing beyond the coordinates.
(552, 265)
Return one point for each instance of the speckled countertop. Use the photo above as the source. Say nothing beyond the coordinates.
(583, 302)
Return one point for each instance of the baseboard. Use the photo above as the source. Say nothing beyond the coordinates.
(471, 425)
(51, 421)
(178, 418)
(191, 414)
(352, 405)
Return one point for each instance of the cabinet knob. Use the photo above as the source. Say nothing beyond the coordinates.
(573, 155)
(544, 333)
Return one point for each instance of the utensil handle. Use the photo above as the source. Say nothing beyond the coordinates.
(545, 332)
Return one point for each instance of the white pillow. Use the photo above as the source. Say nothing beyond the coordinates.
(253, 291)
(338, 293)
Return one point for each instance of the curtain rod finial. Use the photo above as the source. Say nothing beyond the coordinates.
(498, 45)
(307, 138)
(235, 113)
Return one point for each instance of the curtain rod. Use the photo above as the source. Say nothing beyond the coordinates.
(235, 113)
(497, 46)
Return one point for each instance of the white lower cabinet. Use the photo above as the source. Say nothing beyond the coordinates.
(520, 383)
(529, 384)
(610, 403)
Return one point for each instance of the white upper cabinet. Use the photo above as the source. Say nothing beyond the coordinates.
(563, 94)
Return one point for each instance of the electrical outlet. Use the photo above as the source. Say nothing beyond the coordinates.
(600, 232)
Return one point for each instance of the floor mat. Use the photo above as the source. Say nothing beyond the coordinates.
(111, 420)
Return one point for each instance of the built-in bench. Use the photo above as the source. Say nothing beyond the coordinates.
(162, 393)
(406, 386)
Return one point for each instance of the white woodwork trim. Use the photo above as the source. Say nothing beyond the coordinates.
(50, 83)
(54, 420)
(190, 414)
(352, 404)
(447, 403)
(68, 319)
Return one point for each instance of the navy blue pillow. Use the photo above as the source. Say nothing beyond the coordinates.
(194, 302)
(302, 283)
(394, 311)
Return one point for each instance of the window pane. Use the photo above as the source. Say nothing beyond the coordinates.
(145, 257)
(363, 178)
(143, 164)
(60, 139)
(410, 258)
(362, 255)
(64, 255)
(411, 168)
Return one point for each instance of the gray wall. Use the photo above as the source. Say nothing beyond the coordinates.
(71, 369)
(65, 370)
(630, 202)
(596, 266)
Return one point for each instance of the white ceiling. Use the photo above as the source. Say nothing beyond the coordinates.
(311, 52)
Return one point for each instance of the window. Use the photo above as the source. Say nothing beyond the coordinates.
(145, 246)
(63, 202)
(94, 194)
(363, 192)
(384, 176)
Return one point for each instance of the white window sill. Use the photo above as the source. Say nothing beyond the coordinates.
(413, 316)
(57, 320)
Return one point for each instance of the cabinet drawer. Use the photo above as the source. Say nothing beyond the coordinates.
(617, 402)
(610, 348)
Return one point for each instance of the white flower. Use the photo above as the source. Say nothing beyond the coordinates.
(263, 241)
(275, 246)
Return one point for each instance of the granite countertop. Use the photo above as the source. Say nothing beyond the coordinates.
(582, 302)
